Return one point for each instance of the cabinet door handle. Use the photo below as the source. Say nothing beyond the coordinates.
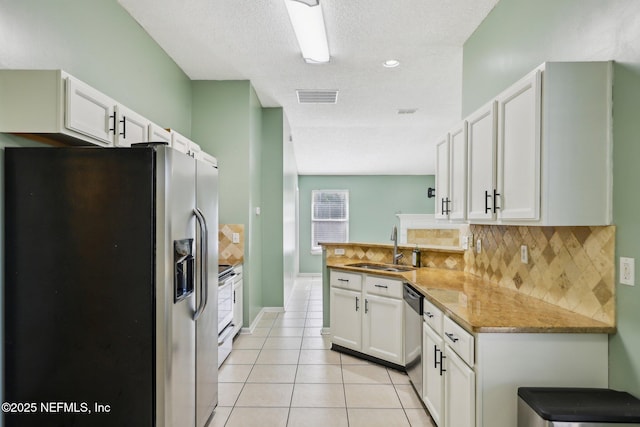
(343, 280)
(495, 200)
(487, 196)
(448, 206)
(124, 127)
(435, 357)
(451, 337)
(234, 297)
(381, 286)
(442, 356)
(112, 117)
(429, 314)
(442, 206)
(366, 305)
(357, 304)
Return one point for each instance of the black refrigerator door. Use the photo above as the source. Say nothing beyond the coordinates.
(78, 310)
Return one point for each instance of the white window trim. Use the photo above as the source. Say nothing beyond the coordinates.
(317, 250)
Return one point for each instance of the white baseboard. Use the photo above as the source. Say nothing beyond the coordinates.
(309, 275)
(255, 322)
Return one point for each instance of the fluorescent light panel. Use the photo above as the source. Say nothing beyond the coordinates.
(308, 25)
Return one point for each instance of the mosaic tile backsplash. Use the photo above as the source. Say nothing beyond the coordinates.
(428, 258)
(571, 267)
(229, 252)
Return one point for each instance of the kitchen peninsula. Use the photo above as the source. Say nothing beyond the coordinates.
(481, 341)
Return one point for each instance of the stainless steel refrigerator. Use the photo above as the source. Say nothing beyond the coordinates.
(110, 287)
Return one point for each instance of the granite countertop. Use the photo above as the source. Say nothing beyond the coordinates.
(479, 306)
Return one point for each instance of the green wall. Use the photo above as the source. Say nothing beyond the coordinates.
(272, 208)
(224, 124)
(517, 36)
(373, 203)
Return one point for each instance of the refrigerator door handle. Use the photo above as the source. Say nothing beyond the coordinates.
(204, 270)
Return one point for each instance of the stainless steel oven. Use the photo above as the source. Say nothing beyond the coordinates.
(226, 275)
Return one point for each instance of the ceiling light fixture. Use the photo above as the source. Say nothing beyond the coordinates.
(391, 63)
(308, 24)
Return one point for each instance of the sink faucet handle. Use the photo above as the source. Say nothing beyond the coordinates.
(394, 233)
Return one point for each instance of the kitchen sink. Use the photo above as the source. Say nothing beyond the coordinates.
(381, 267)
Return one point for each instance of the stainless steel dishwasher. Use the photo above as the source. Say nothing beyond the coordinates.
(413, 305)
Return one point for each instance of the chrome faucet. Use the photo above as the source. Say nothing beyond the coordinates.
(394, 237)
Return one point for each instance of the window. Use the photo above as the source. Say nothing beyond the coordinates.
(329, 217)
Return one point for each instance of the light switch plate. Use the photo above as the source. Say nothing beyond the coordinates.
(478, 246)
(236, 237)
(627, 271)
(524, 254)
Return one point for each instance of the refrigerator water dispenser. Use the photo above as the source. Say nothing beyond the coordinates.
(184, 265)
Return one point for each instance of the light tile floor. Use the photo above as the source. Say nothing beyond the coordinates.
(285, 375)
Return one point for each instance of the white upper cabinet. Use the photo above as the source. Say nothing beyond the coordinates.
(518, 194)
(159, 134)
(442, 178)
(89, 112)
(458, 176)
(451, 174)
(184, 144)
(540, 152)
(481, 136)
(53, 104)
(132, 127)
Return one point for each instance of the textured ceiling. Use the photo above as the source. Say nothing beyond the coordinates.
(363, 133)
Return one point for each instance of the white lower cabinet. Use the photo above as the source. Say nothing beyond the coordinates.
(237, 300)
(459, 391)
(433, 373)
(472, 380)
(367, 318)
(346, 318)
(382, 316)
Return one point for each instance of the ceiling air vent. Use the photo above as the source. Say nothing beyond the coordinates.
(317, 96)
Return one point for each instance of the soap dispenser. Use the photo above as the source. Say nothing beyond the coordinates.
(415, 257)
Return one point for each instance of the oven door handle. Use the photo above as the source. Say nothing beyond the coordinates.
(204, 270)
(225, 334)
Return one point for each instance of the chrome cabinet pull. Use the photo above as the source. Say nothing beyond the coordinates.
(429, 314)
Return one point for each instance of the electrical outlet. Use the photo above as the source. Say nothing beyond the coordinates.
(627, 271)
(478, 246)
(465, 242)
(235, 237)
(338, 251)
(524, 254)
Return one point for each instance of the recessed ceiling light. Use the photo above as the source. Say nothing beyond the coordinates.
(391, 63)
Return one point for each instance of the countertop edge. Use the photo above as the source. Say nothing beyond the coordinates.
(406, 277)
